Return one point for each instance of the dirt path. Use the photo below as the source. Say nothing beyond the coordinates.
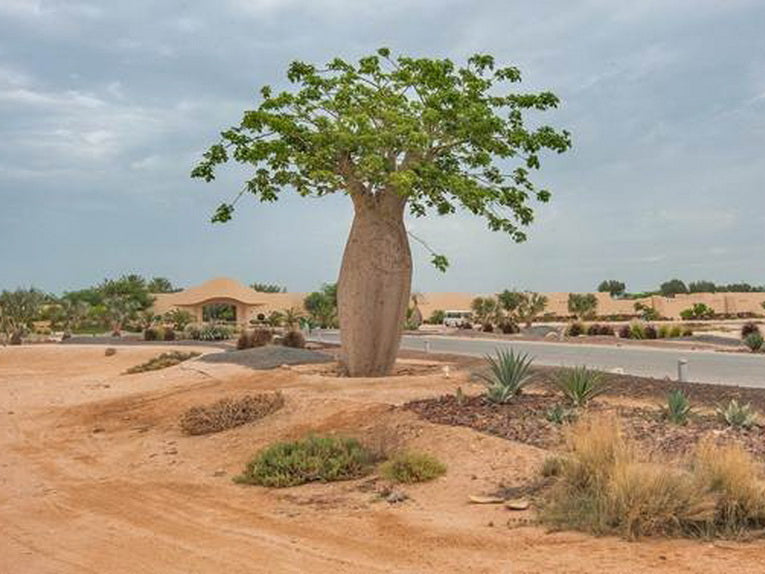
(96, 477)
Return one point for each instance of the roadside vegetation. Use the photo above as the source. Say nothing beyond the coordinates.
(604, 486)
(163, 361)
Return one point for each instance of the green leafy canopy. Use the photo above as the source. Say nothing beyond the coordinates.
(422, 128)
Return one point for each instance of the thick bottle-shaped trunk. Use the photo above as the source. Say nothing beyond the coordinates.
(374, 285)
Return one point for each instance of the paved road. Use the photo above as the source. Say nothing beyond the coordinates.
(703, 366)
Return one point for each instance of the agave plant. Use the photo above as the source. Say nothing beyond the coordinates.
(508, 374)
(579, 385)
(737, 415)
(678, 407)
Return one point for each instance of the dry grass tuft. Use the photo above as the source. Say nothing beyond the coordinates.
(605, 488)
(229, 413)
(162, 361)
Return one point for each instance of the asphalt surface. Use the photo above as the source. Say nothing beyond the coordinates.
(702, 366)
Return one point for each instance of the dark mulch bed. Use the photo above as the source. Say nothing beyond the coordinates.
(268, 357)
(524, 420)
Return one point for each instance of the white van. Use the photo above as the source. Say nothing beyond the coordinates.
(457, 318)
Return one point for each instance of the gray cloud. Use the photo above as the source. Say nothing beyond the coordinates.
(105, 106)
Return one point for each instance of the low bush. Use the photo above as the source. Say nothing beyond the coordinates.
(575, 329)
(687, 331)
(162, 361)
(625, 332)
(229, 413)
(487, 328)
(509, 328)
(110, 352)
(254, 338)
(735, 414)
(508, 374)
(604, 487)
(663, 332)
(754, 341)
(559, 414)
(411, 467)
(650, 332)
(749, 328)
(169, 334)
(293, 339)
(214, 333)
(675, 331)
(678, 407)
(697, 311)
(637, 330)
(192, 332)
(579, 385)
(151, 334)
(313, 459)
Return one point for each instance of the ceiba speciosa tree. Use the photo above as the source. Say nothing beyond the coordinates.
(394, 134)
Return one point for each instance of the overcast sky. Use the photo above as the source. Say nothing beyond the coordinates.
(105, 106)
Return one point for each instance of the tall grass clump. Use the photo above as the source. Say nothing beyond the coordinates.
(733, 477)
(603, 487)
(579, 385)
(410, 467)
(313, 459)
(508, 374)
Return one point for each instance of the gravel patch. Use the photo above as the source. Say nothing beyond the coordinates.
(268, 357)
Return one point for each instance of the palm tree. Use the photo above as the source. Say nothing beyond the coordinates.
(292, 317)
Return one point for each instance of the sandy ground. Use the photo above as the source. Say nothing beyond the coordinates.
(95, 476)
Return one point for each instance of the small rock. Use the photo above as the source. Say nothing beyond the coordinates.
(485, 499)
(171, 451)
(98, 430)
(517, 504)
(396, 496)
(490, 524)
(219, 472)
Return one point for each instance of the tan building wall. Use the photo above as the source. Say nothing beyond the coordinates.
(557, 303)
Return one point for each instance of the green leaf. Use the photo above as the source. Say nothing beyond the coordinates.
(440, 262)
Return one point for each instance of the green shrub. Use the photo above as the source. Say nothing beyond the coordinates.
(559, 414)
(663, 331)
(313, 459)
(698, 311)
(214, 333)
(162, 361)
(687, 331)
(437, 317)
(229, 413)
(637, 330)
(192, 332)
(294, 339)
(650, 332)
(678, 407)
(749, 328)
(579, 385)
(411, 467)
(754, 341)
(575, 329)
(675, 331)
(508, 374)
(737, 415)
